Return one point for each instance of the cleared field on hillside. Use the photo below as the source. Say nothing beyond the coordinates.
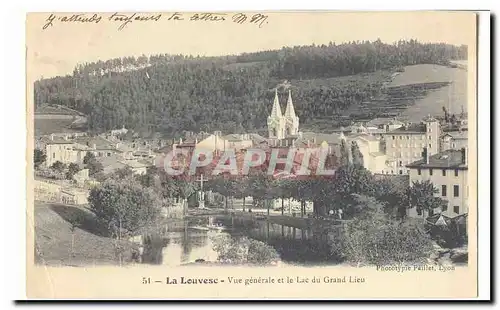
(47, 124)
(53, 238)
(453, 96)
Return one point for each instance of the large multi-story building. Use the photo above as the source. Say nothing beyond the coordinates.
(405, 143)
(448, 173)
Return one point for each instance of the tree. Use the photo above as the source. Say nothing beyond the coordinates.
(259, 187)
(421, 196)
(148, 179)
(349, 180)
(94, 167)
(89, 157)
(375, 239)
(344, 153)
(125, 206)
(283, 189)
(72, 170)
(39, 157)
(357, 156)
(123, 173)
(58, 166)
(242, 189)
(393, 196)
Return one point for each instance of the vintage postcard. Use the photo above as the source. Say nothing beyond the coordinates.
(189, 155)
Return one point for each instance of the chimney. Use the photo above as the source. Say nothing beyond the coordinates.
(425, 155)
(52, 136)
(94, 146)
(464, 156)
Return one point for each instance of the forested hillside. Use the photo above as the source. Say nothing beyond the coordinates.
(173, 93)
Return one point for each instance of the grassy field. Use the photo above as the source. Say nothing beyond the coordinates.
(54, 236)
(45, 126)
(452, 96)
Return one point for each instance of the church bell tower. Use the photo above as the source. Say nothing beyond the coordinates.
(281, 126)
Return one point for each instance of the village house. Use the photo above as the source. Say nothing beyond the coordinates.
(447, 170)
(374, 159)
(455, 140)
(64, 150)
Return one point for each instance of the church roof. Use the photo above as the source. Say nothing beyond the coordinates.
(290, 111)
(276, 111)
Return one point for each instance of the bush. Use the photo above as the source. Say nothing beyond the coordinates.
(368, 241)
(261, 253)
(449, 236)
(242, 250)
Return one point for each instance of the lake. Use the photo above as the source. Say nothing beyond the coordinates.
(185, 242)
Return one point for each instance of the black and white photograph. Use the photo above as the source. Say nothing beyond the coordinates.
(239, 144)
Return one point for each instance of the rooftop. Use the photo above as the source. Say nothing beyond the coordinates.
(317, 139)
(409, 129)
(100, 143)
(457, 134)
(446, 159)
(55, 140)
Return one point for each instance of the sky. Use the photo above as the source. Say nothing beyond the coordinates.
(57, 49)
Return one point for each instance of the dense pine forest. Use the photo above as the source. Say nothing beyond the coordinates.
(173, 93)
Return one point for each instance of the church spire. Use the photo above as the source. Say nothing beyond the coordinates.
(276, 111)
(290, 111)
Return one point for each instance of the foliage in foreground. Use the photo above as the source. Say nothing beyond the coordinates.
(243, 250)
(125, 204)
(376, 239)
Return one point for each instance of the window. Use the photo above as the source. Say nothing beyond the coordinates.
(456, 209)
(53, 155)
(456, 191)
(453, 145)
(444, 172)
(393, 138)
(431, 212)
(430, 171)
(407, 137)
(400, 171)
(430, 137)
(400, 163)
(419, 171)
(456, 172)
(430, 145)
(444, 208)
(443, 190)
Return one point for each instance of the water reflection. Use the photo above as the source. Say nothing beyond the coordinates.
(188, 241)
